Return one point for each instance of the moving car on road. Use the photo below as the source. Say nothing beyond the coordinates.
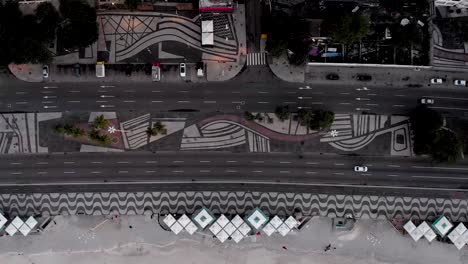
(182, 70)
(459, 82)
(156, 72)
(437, 80)
(333, 76)
(360, 168)
(364, 77)
(45, 71)
(426, 101)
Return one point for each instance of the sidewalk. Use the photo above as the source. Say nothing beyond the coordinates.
(283, 70)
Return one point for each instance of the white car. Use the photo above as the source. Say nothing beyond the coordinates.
(459, 82)
(156, 73)
(360, 168)
(45, 71)
(182, 70)
(437, 80)
(426, 101)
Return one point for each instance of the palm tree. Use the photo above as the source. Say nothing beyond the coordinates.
(100, 122)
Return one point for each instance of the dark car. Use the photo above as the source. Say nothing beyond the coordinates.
(364, 77)
(333, 76)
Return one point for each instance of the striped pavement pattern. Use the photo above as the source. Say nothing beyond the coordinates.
(256, 59)
(134, 131)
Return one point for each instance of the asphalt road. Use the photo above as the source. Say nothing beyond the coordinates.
(230, 96)
(184, 168)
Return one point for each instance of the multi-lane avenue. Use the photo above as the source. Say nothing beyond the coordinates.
(230, 96)
(82, 170)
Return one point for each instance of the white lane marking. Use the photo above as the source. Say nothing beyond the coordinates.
(16, 163)
(289, 102)
(102, 91)
(316, 103)
(47, 102)
(393, 166)
(209, 102)
(261, 92)
(235, 92)
(263, 102)
(150, 161)
(74, 91)
(50, 87)
(50, 106)
(157, 101)
(183, 91)
(344, 103)
(21, 92)
(49, 96)
(42, 163)
(399, 105)
(392, 175)
(95, 172)
(339, 173)
(205, 161)
(285, 162)
(312, 163)
(156, 91)
(16, 172)
(440, 177)
(69, 172)
(183, 101)
(46, 92)
(123, 162)
(129, 101)
(371, 94)
(442, 97)
(439, 168)
(231, 161)
(231, 171)
(367, 174)
(150, 171)
(73, 101)
(362, 109)
(362, 99)
(372, 104)
(450, 108)
(257, 171)
(205, 171)
(123, 171)
(178, 161)
(400, 95)
(42, 172)
(68, 162)
(106, 106)
(107, 86)
(284, 171)
(236, 102)
(178, 171)
(339, 164)
(345, 93)
(22, 103)
(107, 96)
(101, 101)
(311, 172)
(96, 162)
(258, 161)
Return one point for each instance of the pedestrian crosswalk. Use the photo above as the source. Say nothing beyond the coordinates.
(256, 59)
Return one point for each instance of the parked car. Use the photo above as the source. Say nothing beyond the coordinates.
(100, 69)
(437, 80)
(156, 72)
(426, 101)
(333, 76)
(459, 82)
(360, 168)
(364, 77)
(182, 70)
(45, 71)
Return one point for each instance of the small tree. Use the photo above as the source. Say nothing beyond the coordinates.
(100, 122)
(446, 146)
(259, 117)
(98, 138)
(158, 128)
(322, 119)
(304, 117)
(351, 29)
(282, 112)
(249, 116)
